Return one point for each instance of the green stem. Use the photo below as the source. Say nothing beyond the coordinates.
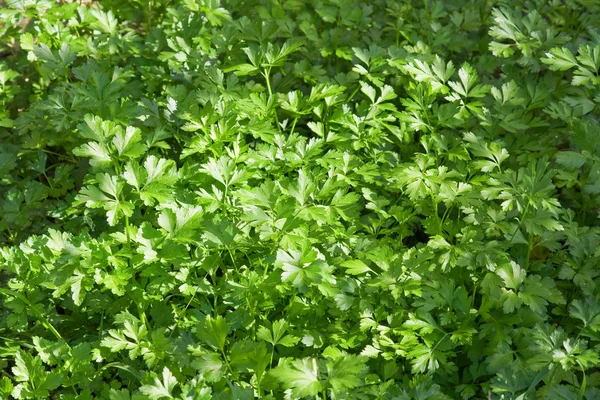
(518, 226)
(149, 19)
(127, 231)
(529, 249)
(48, 180)
(215, 294)
(11, 237)
(142, 315)
(60, 155)
(101, 327)
(554, 369)
(439, 341)
(353, 93)
(252, 311)
(225, 199)
(473, 295)
(267, 75)
(232, 258)
(583, 385)
(437, 215)
(226, 361)
(183, 311)
(43, 320)
(293, 126)
(135, 373)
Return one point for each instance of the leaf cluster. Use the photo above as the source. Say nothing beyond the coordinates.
(333, 199)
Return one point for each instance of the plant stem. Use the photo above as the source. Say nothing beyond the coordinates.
(127, 231)
(446, 212)
(549, 382)
(267, 75)
(101, 327)
(149, 18)
(518, 226)
(293, 126)
(232, 258)
(39, 316)
(437, 215)
(226, 361)
(353, 94)
(529, 249)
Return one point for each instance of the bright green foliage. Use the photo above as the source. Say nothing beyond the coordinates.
(331, 199)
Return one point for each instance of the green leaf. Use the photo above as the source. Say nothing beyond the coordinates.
(108, 196)
(369, 91)
(105, 21)
(560, 59)
(213, 331)
(571, 159)
(181, 224)
(436, 74)
(127, 142)
(220, 232)
(538, 292)
(512, 275)
(344, 372)
(34, 381)
(99, 155)
(223, 170)
(300, 376)
(301, 268)
(511, 302)
(6, 386)
(588, 311)
(44, 53)
(467, 87)
(242, 69)
(122, 394)
(355, 267)
(211, 366)
(276, 335)
(160, 388)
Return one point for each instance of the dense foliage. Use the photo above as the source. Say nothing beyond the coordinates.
(333, 199)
